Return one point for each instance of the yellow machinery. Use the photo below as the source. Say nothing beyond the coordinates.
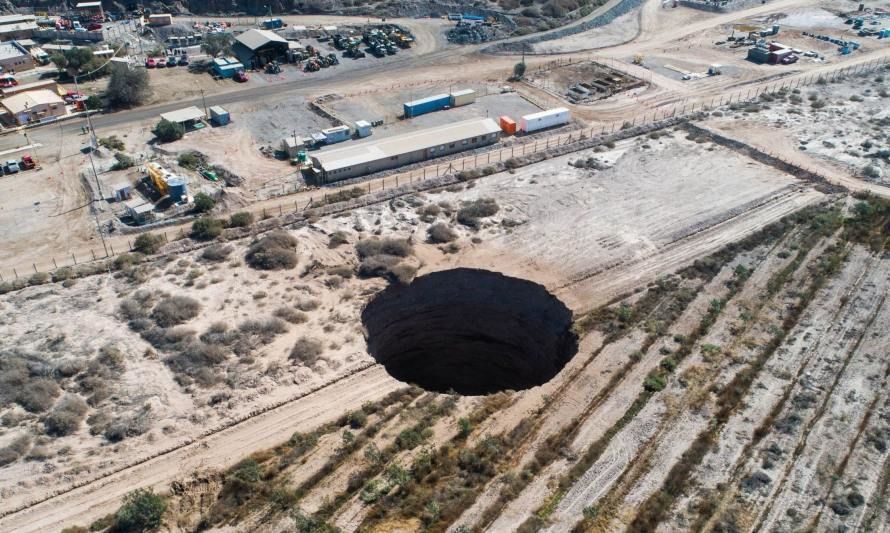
(158, 176)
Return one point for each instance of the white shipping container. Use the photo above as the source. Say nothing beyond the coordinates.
(459, 98)
(544, 119)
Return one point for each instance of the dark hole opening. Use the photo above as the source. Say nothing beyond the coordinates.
(470, 331)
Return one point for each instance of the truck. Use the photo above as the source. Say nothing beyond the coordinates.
(27, 162)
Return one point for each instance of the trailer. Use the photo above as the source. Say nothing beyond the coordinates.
(426, 105)
(544, 119)
(464, 97)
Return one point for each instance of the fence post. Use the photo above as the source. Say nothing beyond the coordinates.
(280, 212)
(35, 267)
(54, 263)
(15, 272)
(73, 258)
(94, 254)
(112, 248)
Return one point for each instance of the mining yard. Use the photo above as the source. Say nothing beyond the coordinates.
(637, 283)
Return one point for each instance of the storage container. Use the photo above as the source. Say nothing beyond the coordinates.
(219, 116)
(177, 188)
(459, 98)
(336, 134)
(508, 125)
(544, 119)
(362, 128)
(426, 105)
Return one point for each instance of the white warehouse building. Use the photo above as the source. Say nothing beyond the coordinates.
(381, 154)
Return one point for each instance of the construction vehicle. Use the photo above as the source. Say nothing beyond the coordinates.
(158, 176)
(28, 162)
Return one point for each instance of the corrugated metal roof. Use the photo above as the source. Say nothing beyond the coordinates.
(463, 92)
(254, 39)
(11, 49)
(406, 143)
(88, 4)
(183, 115)
(12, 19)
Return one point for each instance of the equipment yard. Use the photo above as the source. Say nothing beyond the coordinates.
(563, 268)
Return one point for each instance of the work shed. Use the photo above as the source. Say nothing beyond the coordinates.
(187, 117)
(254, 48)
(391, 152)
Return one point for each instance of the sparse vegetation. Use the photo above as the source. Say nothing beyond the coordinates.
(275, 251)
(141, 511)
(470, 213)
(167, 131)
(207, 228)
(148, 243)
(306, 351)
(440, 233)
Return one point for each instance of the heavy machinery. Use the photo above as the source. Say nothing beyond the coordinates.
(158, 176)
(312, 65)
(273, 68)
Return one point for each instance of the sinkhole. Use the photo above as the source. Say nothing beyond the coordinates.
(470, 331)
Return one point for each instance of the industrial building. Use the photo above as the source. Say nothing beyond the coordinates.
(373, 156)
(14, 57)
(17, 27)
(91, 10)
(41, 105)
(254, 48)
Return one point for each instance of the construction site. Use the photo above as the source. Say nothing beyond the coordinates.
(475, 287)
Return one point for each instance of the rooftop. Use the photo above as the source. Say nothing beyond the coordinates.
(11, 49)
(183, 115)
(254, 39)
(81, 5)
(19, 26)
(22, 101)
(357, 154)
(14, 19)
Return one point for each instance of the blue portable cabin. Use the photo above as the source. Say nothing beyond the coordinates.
(273, 24)
(219, 116)
(426, 105)
(226, 67)
(472, 18)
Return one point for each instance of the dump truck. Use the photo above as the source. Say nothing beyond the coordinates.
(27, 162)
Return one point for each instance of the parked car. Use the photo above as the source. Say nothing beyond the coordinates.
(8, 81)
(11, 167)
(151, 62)
(184, 60)
(94, 26)
(240, 76)
(171, 61)
(162, 62)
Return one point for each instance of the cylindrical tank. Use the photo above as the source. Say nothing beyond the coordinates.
(177, 188)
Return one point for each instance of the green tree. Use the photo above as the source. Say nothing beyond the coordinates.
(207, 229)
(167, 131)
(147, 243)
(127, 88)
(217, 43)
(93, 102)
(241, 219)
(519, 70)
(142, 511)
(204, 203)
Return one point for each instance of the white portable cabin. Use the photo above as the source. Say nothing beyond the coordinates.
(544, 119)
(464, 97)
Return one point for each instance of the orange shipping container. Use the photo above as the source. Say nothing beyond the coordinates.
(508, 125)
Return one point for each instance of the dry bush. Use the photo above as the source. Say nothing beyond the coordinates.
(66, 416)
(216, 252)
(307, 304)
(392, 247)
(343, 271)
(242, 219)
(207, 228)
(291, 315)
(470, 213)
(175, 310)
(38, 395)
(306, 351)
(148, 243)
(130, 425)
(428, 213)
(338, 238)
(264, 330)
(14, 450)
(197, 359)
(136, 306)
(440, 233)
(273, 252)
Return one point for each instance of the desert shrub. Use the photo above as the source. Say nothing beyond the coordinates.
(207, 228)
(342, 195)
(440, 233)
(148, 243)
(241, 219)
(263, 330)
(377, 266)
(429, 212)
(66, 416)
(291, 315)
(307, 304)
(37, 395)
(196, 359)
(191, 160)
(216, 252)
(167, 131)
(470, 213)
(122, 161)
(273, 252)
(14, 450)
(112, 143)
(306, 351)
(654, 382)
(343, 271)
(403, 273)
(338, 238)
(204, 202)
(175, 310)
(391, 247)
(141, 511)
(357, 419)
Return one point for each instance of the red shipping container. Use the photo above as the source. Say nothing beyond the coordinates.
(508, 125)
